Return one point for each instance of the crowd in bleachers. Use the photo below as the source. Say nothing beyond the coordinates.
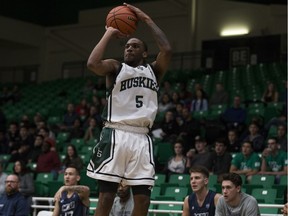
(208, 120)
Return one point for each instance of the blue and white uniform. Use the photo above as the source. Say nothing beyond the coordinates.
(72, 206)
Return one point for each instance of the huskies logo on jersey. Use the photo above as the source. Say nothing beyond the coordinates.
(139, 82)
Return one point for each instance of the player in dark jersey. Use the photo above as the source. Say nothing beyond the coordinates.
(72, 199)
(202, 202)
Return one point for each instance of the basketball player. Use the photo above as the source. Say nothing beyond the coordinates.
(72, 199)
(124, 152)
(202, 201)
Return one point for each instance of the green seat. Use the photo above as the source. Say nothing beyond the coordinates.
(180, 179)
(281, 186)
(44, 178)
(5, 158)
(179, 193)
(54, 120)
(54, 186)
(159, 179)
(200, 114)
(9, 168)
(41, 184)
(78, 143)
(264, 195)
(267, 181)
(156, 191)
(165, 151)
(62, 137)
(86, 149)
(213, 180)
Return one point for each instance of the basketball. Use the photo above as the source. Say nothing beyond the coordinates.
(123, 19)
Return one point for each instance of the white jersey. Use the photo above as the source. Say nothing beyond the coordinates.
(133, 100)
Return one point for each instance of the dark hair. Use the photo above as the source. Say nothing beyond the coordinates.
(274, 138)
(24, 168)
(221, 140)
(74, 149)
(74, 167)
(233, 177)
(251, 144)
(200, 169)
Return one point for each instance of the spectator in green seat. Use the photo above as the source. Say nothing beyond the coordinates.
(274, 160)
(246, 162)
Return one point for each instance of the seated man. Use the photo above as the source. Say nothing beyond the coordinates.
(233, 201)
(123, 202)
(274, 160)
(72, 199)
(246, 162)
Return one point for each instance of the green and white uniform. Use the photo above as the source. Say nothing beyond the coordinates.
(252, 162)
(124, 151)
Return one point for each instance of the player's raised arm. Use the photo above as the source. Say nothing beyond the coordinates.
(95, 61)
(164, 56)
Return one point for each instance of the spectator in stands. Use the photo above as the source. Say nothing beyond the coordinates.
(38, 118)
(274, 160)
(202, 201)
(48, 161)
(26, 187)
(25, 145)
(4, 143)
(93, 131)
(83, 107)
(76, 131)
(72, 199)
(197, 87)
(123, 203)
(36, 150)
(219, 96)
(282, 137)
(13, 202)
(175, 99)
(177, 163)
(233, 201)
(44, 131)
(200, 155)
(13, 136)
(199, 103)
(233, 142)
(3, 177)
(72, 158)
(246, 162)
(220, 158)
(93, 113)
(69, 117)
(235, 116)
(165, 103)
(166, 89)
(255, 138)
(280, 119)
(270, 94)
(189, 129)
(169, 127)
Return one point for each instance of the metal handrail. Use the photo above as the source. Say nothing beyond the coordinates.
(50, 205)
